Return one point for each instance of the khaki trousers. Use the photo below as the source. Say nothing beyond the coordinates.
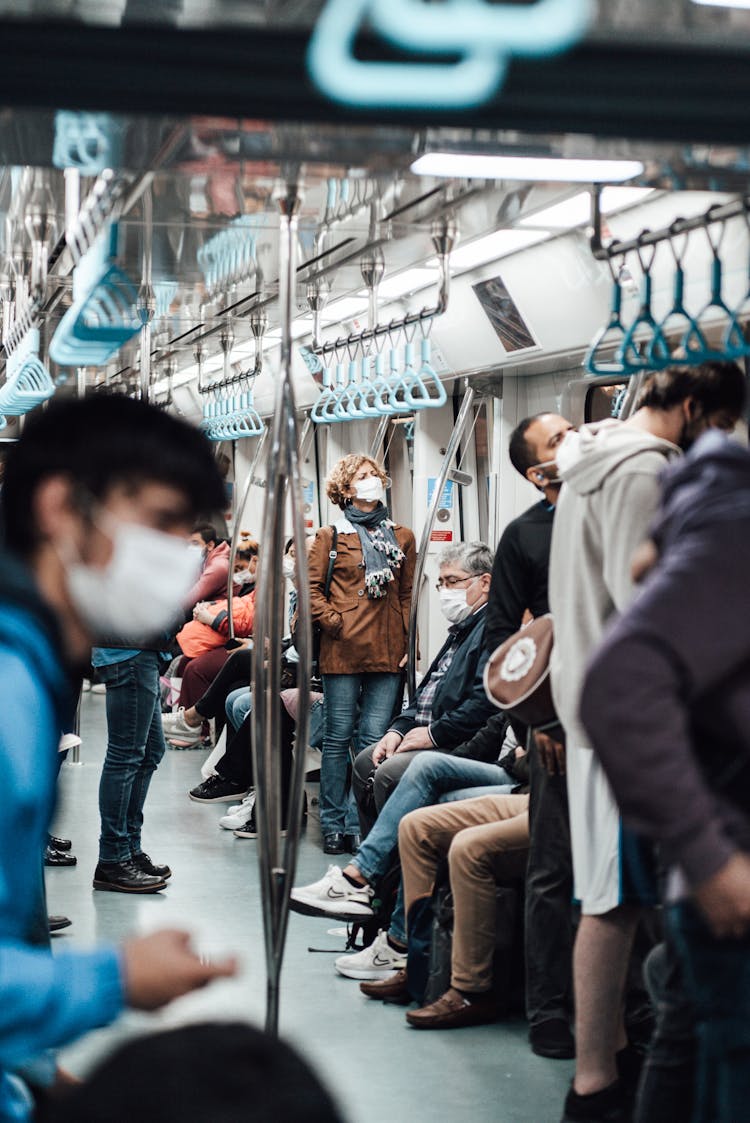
(486, 841)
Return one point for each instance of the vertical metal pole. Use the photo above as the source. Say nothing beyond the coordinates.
(458, 431)
(239, 515)
(277, 863)
(146, 298)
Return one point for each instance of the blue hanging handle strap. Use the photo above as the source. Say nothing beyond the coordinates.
(735, 331)
(317, 413)
(678, 313)
(397, 385)
(342, 77)
(380, 387)
(632, 358)
(613, 332)
(416, 393)
(367, 398)
(427, 371)
(734, 345)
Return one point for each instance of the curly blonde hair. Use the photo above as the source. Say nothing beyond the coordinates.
(342, 474)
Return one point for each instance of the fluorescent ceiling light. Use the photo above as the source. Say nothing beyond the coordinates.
(492, 247)
(463, 165)
(577, 210)
(724, 3)
(346, 308)
(401, 284)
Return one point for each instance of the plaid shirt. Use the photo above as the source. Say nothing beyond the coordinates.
(426, 694)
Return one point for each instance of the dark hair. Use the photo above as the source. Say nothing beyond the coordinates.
(522, 456)
(246, 553)
(209, 1073)
(100, 442)
(206, 531)
(714, 385)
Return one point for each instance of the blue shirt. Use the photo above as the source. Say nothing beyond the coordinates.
(46, 1000)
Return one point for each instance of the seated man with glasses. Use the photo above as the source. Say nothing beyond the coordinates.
(451, 716)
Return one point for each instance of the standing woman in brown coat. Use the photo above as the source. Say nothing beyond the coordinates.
(364, 625)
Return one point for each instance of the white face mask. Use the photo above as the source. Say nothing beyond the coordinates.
(287, 567)
(140, 591)
(197, 552)
(370, 490)
(453, 605)
(244, 577)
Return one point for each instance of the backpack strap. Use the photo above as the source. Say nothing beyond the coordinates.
(332, 555)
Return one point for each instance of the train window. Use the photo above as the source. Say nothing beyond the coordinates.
(604, 401)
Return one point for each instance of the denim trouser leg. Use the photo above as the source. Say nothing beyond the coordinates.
(154, 751)
(717, 978)
(238, 706)
(132, 749)
(376, 695)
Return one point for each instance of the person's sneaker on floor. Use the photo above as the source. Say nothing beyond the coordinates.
(216, 790)
(86, 686)
(174, 722)
(333, 895)
(98, 688)
(238, 815)
(380, 960)
(249, 829)
(611, 1105)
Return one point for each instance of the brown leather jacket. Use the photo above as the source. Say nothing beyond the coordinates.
(359, 634)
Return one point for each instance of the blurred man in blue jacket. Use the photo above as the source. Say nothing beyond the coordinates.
(98, 499)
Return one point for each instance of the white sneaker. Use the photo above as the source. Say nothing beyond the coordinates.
(175, 726)
(239, 815)
(333, 895)
(98, 688)
(69, 741)
(86, 686)
(378, 961)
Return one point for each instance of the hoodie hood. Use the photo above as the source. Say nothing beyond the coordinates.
(587, 457)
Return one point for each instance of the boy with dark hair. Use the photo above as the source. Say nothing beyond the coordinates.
(98, 499)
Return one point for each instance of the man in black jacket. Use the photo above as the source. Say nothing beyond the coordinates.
(519, 584)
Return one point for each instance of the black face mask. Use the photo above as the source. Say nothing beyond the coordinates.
(692, 428)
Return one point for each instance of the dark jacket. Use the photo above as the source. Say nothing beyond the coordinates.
(359, 634)
(667, 696)
(460, 706)
(519, 574)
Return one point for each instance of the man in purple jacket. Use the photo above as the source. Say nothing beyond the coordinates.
(667, 706)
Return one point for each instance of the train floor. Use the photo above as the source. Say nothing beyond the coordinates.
(377, 1067)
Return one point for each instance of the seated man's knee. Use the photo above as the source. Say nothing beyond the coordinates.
(363, 765)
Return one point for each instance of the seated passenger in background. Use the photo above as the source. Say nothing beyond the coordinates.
(450, 705)
(214, 555)
(486, 842)
(208, 1073)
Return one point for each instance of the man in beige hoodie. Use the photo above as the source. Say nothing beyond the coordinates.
(610, 473)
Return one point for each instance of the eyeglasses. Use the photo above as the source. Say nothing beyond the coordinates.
(451, 582)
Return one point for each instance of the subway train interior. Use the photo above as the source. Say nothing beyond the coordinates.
(314, 228)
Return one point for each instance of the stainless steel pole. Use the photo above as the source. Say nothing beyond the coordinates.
(236, 530)
(459, 428)
(277, 860)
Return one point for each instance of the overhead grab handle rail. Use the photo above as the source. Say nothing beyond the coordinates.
(644, 344)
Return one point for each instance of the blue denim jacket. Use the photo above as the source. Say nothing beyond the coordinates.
(45, 1000)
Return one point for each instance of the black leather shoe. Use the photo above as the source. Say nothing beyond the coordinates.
(125, 877)
(552, 1039)
(145, 865)
(58, 857)
(58, 843)
(352, 843)
(57, 923)
(333, 843)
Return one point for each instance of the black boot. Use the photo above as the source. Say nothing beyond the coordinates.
(125, 877)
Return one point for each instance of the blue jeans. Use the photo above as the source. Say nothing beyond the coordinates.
(238, 705)
(135, 745)
(371, 696)
(429, 776)
(717, 979)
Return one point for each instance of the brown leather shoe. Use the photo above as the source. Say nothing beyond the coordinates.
(393, 989)
(452, 1010)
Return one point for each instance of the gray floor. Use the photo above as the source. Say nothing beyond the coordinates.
(377, 1066)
